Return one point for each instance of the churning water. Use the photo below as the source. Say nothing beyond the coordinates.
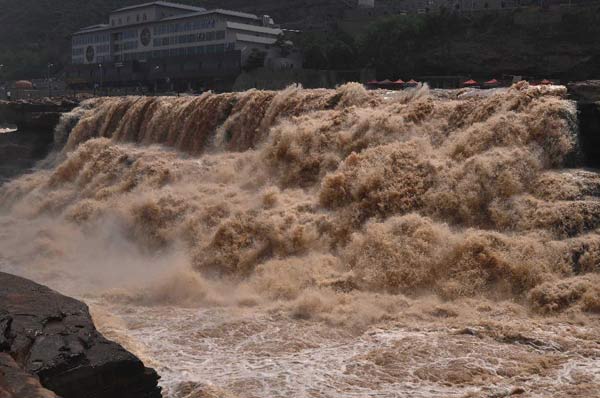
(326, 243)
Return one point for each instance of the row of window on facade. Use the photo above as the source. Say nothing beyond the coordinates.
(103, 48)
(173, 52)
(177, 52)
(193, 38)
(125, 46)
(138, 18)
(129, 19)
(99, 59)
(185, 27)
(125, 35)
(197, 50)
(91, 39)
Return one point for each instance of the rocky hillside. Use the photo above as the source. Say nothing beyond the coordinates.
(553, 43)
(34, 32)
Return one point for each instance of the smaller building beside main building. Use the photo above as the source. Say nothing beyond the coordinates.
(169, 45)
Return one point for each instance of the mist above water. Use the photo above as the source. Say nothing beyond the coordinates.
(343, 207)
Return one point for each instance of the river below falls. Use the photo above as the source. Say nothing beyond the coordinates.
(430, 348)
(223, 352)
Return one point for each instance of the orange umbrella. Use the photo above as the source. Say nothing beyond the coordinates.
(24, 85)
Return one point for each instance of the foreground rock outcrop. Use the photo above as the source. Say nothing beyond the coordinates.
(47, 336)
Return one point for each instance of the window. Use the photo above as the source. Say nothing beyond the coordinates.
(220, 35)
(144, 17)
(128, 18)
(137, 18)
(120, 21)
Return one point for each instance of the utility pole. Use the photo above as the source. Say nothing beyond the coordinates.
(49, 82)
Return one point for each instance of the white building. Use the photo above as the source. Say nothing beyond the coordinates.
(160, 34)
(161, 29)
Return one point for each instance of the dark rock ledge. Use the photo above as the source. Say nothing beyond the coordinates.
(49, 345)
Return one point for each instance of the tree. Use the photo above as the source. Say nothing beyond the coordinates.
(255, 60)
(284, 46)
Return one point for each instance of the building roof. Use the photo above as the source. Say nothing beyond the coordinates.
(203, 11)
(93, 28)
(215, 11)
(254, 28)
(162, 4)
(255, 39)
(99, 26)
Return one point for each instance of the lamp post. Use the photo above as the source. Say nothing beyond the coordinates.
(49, 82)
(156, 71)
(1, 79)
(101, 76)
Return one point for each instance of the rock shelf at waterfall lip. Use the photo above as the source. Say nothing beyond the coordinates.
(52, 337)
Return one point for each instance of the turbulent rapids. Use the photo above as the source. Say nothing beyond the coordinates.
(326, 243)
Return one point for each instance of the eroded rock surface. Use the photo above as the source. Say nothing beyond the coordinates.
(587, 91)
(17, 383)
(53, 337)
(36, 114)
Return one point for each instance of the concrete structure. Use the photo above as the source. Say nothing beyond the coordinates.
(167, 43)
(394, 7)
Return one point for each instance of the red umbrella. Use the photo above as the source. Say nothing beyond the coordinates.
(386, 81)
(492, 82)
(399, 81)
(470, 82)
(24, 85)
(546, 82)
(412, 81)
(372, 82)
